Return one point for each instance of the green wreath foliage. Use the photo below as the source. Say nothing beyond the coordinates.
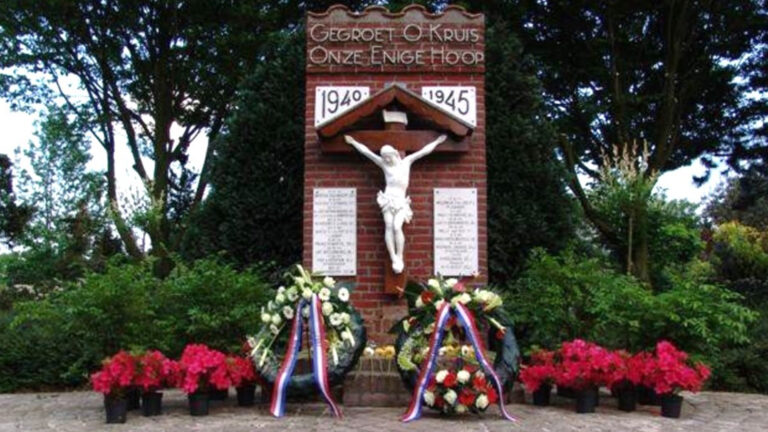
(345, 331)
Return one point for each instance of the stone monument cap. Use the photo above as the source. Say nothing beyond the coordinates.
(395, 117)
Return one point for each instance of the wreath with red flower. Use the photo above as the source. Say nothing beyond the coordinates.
(456, 356)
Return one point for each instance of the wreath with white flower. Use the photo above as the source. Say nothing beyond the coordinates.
(456, 357)
(344, 329)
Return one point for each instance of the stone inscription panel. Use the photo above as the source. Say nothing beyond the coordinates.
(334, 231)
(455, 231)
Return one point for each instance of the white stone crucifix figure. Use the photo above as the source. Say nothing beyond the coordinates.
(394, 202)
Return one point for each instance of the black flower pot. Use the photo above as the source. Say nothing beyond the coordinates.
(671, 405)
(218, 395)
(133, 397)
(246, 395)
(566, 392)
(647, 396)
(541, 395)
(198, 404)
(586, 400)
(627, 396)
(116, 409)
(152, 404)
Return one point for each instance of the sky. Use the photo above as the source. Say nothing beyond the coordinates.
(18, 129)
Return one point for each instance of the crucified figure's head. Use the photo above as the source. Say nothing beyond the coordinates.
(389, 155)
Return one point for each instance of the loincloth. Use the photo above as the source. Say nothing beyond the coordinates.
(395, 205)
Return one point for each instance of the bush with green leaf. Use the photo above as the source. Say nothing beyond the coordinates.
(570, 296)
(56, 341)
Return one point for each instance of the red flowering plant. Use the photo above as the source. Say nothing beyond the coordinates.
(540, 372)
(629, 369)
(155, 371)
(241, 371)
(116, 375)
(200, 368)
(460, 390)
(670, 371)
(584, 364)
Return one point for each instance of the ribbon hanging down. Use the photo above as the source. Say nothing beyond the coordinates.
(319, 358)
(428, 365)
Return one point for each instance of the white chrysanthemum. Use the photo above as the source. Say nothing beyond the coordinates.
(430, 328)
(266, 318)
(479, 375)
(482, 402)
(280, 298)
(345, 318)
(419, 302)
(288, 312)
(329, 282)
(441, 352)
(276, 320)
(327, 308)
(466, 350)
(273, 328)
(306, 293)
(335, 319)
(460, 409)
(439, 304)
(324, 294)
(450, 397)
(462, 298)
(440, 376)
(305, 311)
(462, 376)
(369, 351)
(451, 282)
(293, 294)
(429, 398)
(434, 284)
(343, 294)
(281, 290)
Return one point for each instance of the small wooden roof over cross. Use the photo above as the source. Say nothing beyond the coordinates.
(365, 122)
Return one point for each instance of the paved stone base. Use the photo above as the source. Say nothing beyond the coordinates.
(83, 411)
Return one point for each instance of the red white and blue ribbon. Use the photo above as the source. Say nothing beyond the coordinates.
(319, 358)
(428, 365)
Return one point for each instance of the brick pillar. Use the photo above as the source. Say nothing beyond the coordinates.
(345, 49)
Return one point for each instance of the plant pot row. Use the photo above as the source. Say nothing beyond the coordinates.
(151, 402)
(628, 398)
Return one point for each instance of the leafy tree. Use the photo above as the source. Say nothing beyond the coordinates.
(254, 212)
(143, 66)
(13, 216)
(618, 72)
(743, 199)
(528, 206)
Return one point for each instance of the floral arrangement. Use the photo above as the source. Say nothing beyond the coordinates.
(579, 364)
(460, 391)
(155, 371)
(240, 371)
(541, 372)
(281, 310)
(116, 375)
(584, 364)
(669, 371)
(456, 355)
(201, 367)
(386, 351)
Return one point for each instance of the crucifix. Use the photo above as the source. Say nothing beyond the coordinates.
(394, 201)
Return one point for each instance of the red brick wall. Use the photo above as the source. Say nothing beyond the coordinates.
(438, 170)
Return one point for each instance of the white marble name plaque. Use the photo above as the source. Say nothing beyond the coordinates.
(334, 231)
(455, 231)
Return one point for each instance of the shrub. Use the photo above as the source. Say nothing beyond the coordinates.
(56, 341)
(568, 296)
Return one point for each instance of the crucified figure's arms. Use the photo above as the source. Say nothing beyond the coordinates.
(427, 149)
(360, 147)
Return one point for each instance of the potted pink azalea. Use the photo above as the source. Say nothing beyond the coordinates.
(539, 376)
(201, 369)
(669, 372)
(114, 380)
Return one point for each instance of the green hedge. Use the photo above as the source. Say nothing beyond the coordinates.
(56, 341)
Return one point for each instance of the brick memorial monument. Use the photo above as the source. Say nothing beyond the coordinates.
(402, 79)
